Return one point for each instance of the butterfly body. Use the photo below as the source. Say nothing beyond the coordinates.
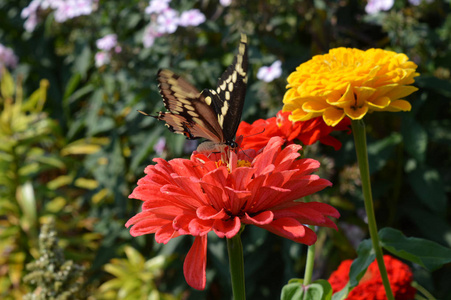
(210, 114)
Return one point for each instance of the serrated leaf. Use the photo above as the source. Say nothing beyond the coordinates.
(420, 251)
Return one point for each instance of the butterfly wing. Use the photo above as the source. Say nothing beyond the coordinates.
(228, 98)
(212, 114)
(188, 111)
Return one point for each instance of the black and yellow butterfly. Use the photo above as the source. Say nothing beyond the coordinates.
(210, 114)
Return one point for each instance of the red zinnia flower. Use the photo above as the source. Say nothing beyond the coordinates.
(257, 134)
(371, 286)
(202, 194)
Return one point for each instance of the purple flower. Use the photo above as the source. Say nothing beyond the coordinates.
(64, 10)
(160, 146)
(375, 6)
(7, 57)
(192, 17)
(30, 14)
(167, 21)
(107, 43)
(270, 73)
(225, 2)
(102, 58)
(157, 6)
(150, 34)
(70, 9)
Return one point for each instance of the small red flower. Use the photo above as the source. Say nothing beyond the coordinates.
(202, 194)
(370, 286)
(257, 134)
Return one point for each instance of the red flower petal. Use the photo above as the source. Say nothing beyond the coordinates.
(195, 264)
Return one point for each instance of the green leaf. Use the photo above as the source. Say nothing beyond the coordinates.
(318, 290)
(292, 291)
(420, 251)
(415, 138)
(343, 293)
(6, 84)
(365, 257)
(379, 152)
(429, 188)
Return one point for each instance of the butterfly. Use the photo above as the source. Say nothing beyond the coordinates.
(210, 114)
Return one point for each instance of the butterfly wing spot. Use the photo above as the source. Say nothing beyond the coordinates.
(227, 95)
(234, 77)
(221, 120)
(208, 100)
(230, 86)
(225, 108)
(193, 113)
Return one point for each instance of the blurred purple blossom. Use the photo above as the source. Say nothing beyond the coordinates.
(7, 58)
(157, 6)
(107, 43)
(168, 21)
(69, 9)
(160, 146)
(270, 73)
(225, 2)
(64, 10)
(375, 6)
(150, 34)
(192, 17)
(102, 58)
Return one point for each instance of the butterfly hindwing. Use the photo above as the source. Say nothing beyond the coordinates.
(188, 112)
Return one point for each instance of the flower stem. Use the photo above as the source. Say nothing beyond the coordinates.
(358, 129)
(310, 262)
(236, 263)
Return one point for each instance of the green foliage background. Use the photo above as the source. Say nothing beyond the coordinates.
(72, 144)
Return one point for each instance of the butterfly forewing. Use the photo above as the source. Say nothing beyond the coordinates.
(228, 98)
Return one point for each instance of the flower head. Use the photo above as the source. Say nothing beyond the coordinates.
(168, 21)
(107, 43)
(157, 6)
(257, 134)
(268, 74)
(192, 17)
(102, 58)
(349, 82)
(371, 286)
(7, 57)
(202, 194)
(375, 6)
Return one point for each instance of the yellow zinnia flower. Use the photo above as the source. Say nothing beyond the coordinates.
(349, 82)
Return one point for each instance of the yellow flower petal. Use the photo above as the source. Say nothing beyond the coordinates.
(333, 116)
(350, 82)
(399, 105)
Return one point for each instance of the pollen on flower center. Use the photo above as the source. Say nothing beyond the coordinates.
(243, 163)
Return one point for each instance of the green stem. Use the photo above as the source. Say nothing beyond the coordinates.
(310, 262)
(236, 263)
(358, 129)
